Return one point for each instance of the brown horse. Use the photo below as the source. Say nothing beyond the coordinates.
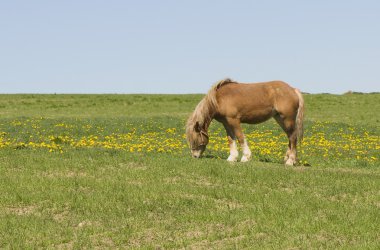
(233, 103)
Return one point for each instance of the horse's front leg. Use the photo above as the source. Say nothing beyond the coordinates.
(234, 153)
(243, 143)
(237, 131)
(246, 151)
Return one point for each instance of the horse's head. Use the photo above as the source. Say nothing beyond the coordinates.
(198, 139)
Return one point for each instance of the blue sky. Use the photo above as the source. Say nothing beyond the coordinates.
(174, 46)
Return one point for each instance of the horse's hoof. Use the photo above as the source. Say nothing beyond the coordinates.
(290, 162)
(231, 159)
(245, 158)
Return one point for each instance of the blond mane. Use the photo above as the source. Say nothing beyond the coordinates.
(221, 83)
(206, 108)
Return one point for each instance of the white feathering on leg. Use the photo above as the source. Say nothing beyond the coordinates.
(234, 153)
(246, 152)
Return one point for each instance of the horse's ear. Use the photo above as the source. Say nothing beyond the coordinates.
(197, 127)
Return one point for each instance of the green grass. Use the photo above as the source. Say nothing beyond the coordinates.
(110, 198)
(96, 106)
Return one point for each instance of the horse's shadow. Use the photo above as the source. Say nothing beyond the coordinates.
(210, 157)
(265, 160)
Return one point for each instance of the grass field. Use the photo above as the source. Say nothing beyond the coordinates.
(114, 171)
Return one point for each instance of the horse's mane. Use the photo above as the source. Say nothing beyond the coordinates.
(221, 83)
(206, 108)
(210, 98)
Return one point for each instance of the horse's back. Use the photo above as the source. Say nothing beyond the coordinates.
(255, 102)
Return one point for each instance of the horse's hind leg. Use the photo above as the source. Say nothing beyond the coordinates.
(292, 154)
(289, 125)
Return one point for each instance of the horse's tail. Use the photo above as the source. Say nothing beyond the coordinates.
(300, 116)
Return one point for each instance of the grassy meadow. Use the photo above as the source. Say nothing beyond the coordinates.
(114, 171)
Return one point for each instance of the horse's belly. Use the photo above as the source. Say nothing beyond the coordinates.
(256, 116)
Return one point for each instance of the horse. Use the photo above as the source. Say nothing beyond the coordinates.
(232, 103)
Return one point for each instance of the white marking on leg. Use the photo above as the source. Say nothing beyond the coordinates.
(234, 153)
(246, 152)
(287, 155)
(291, 161)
